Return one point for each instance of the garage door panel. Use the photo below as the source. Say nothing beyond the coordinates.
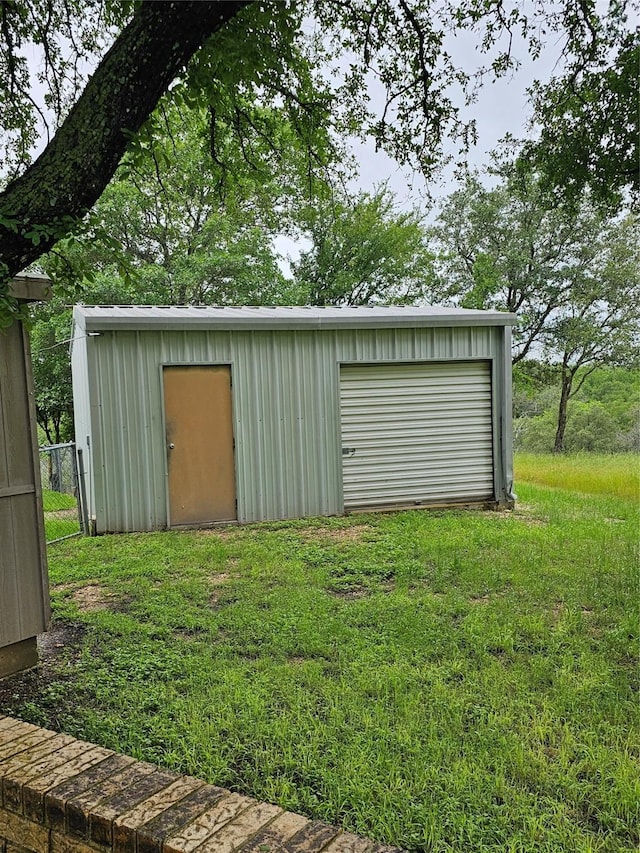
(368, 464)
(441, 473)
(437, 426)
(416, 433)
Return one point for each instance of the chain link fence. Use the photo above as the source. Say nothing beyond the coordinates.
(62, 492)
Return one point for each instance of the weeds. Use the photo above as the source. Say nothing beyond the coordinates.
(442, 681)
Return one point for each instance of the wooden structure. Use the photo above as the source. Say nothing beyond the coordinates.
(24, 591)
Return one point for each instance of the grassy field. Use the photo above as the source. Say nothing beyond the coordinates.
(443, 681)
(60, 515)
(56, 501)
(590, 473)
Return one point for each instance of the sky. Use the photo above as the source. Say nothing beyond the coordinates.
(501, 108)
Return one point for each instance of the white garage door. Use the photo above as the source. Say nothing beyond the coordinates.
(416, 433)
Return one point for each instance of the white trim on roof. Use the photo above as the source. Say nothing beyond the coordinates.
(295, 317)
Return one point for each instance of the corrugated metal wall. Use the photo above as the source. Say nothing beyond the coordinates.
(286, 411)
(82, 389)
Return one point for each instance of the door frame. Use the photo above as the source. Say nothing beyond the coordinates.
(165, 456)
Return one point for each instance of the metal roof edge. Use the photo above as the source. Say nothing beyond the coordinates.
(235, 324)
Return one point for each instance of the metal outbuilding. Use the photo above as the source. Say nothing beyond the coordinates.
(194, 416)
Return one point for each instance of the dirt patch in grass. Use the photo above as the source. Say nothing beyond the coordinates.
(62, 642)
(217, 581)
(479, 599)
(94, 597)
(556, 611)
(233, 531)
(64, 637)
(522, 512)
(350, 593)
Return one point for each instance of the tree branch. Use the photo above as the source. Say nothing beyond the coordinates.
(42, 205)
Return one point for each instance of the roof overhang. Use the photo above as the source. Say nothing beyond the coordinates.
(181, 318)
(30, 287)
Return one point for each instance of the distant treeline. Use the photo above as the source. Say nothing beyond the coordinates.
(603, 416)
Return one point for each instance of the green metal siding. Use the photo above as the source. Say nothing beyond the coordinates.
(286, 411)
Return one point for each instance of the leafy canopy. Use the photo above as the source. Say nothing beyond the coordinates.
(363, 251)
(249, 65)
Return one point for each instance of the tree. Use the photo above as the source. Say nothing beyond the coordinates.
(52, 371)
(363, 252)
(182, 236)
(602, 416)
(41, 205)
(236, 58)
(598, 325)
(505, 248)
(589, 135)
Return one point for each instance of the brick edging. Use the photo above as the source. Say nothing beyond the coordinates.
(62, 795)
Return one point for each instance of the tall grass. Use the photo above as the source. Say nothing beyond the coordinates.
(589, 473)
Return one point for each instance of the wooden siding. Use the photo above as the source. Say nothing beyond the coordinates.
(24, 594)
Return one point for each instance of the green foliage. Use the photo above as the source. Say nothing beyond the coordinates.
(435, 680)
(603, 416)
(363, 251)
(506, 248)
(176, 226)
(588, 122)
(50, 333)
(599, 321)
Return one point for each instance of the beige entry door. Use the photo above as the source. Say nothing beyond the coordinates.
(199, 434)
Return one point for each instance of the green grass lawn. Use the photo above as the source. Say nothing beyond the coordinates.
(60, 515)
(443, 681)
(56, 501)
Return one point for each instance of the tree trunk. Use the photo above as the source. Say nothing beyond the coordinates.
(42, 205)
(565, 393)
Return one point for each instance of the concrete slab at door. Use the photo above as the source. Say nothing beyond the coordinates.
(199, 436)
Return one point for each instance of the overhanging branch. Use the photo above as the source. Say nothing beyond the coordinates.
(40, 207)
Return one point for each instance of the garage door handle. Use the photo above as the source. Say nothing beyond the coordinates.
(348, 451)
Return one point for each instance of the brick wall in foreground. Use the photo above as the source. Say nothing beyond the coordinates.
(62, 795)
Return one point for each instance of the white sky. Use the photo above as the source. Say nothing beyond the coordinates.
(501, 108)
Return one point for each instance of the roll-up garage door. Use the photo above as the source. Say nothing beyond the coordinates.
(416, 433)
